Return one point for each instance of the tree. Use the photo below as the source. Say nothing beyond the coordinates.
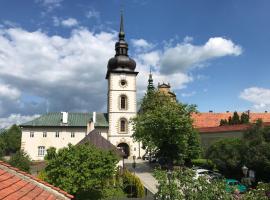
(223, 122)
(235, 118)
(244, 118)
(11, 140)
(257, 155)
(181, 185)
(165, 126)
(81, 169)
(227, 154)
(20, 160)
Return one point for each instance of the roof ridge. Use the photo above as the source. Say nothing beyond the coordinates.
(36, 181)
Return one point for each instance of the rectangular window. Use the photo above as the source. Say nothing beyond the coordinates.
(57, 134)
(72, 134)
(31, 134)
(41, 151)
(44, 134)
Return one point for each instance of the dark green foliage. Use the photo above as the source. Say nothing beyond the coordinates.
(227, 154)
(244, 118)
(260, 193)
(165, 126)
(132, 185)
(80, 169)
(203, 163)
(235, 119)
(20, 160)
(253, 150)
(223, 122)
(10, 141)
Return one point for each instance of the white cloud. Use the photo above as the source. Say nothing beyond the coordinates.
(15, 119)
(50, 4)
(6, 91)
(259, 97)
(188, 39)
(141, 44)
(186, 55)
(92, 14)
(69, 22)
(68, 72)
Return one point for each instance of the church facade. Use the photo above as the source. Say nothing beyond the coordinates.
(59, 129)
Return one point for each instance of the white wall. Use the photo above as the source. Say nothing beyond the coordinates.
(30, 144)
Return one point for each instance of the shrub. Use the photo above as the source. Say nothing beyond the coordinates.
(132, 185)
(20, 160)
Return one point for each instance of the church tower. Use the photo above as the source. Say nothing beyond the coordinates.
(121, 76)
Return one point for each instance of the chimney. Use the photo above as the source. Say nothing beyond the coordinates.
(265, 111)
(210, 111)
(64, 117)
(94, 117)
(227, 111)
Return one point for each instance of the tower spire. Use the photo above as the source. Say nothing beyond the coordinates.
(150, 86)
(121, 32)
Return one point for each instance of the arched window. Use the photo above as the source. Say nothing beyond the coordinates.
(123, 102)
(123, 125)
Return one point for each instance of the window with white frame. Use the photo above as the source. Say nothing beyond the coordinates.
(31, 134)
(41, 151)
(72, 134)
(44, 134)
(57, 134)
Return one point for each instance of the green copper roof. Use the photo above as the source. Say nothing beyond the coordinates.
(74, 119)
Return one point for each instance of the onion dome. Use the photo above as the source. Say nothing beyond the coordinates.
(121, 62)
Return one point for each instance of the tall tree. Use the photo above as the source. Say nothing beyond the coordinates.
(12, 139)
(235, 118)
(165, 126)
(20, 160)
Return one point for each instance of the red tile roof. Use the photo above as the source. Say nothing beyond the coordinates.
(16, 184)
(213, 119)
(227, 128)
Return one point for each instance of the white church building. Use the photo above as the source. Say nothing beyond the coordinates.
(61, 128)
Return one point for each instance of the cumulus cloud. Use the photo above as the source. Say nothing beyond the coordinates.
(69, 72)
(259, 97)
(185, 55)
(15, 119)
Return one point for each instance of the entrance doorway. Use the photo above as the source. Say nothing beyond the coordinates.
(124, 147)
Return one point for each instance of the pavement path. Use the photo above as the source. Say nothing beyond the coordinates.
(144, 172)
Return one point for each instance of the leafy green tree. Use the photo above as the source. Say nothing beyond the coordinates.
(81, 169)
(2, 147)
(257, 154)
(235, 118)
(132, 185)
(11, 140)
(181, 185)
(260, 193)
(165, 126)
(223, 122)
(227, 155)
(20, 160)
(244, 118)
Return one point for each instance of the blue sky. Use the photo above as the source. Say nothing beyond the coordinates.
(53, 53)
